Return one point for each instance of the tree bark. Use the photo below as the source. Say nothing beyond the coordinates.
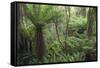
(90, 21)
(40, 45)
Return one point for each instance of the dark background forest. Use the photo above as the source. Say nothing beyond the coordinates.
(51, 34)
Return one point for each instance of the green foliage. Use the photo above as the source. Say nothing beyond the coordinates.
(78, 44)
(78, 22)
(41, 14)
(76, 49)
(27, 28)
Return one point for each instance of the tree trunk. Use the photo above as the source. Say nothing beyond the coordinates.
(67, 11)
(83, 11)
(40, 46)
(80, 11)
(57, 33)
(91, 17)
(90, 21)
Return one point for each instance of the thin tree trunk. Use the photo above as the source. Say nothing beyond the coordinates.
(58, 37)
(67, 11)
